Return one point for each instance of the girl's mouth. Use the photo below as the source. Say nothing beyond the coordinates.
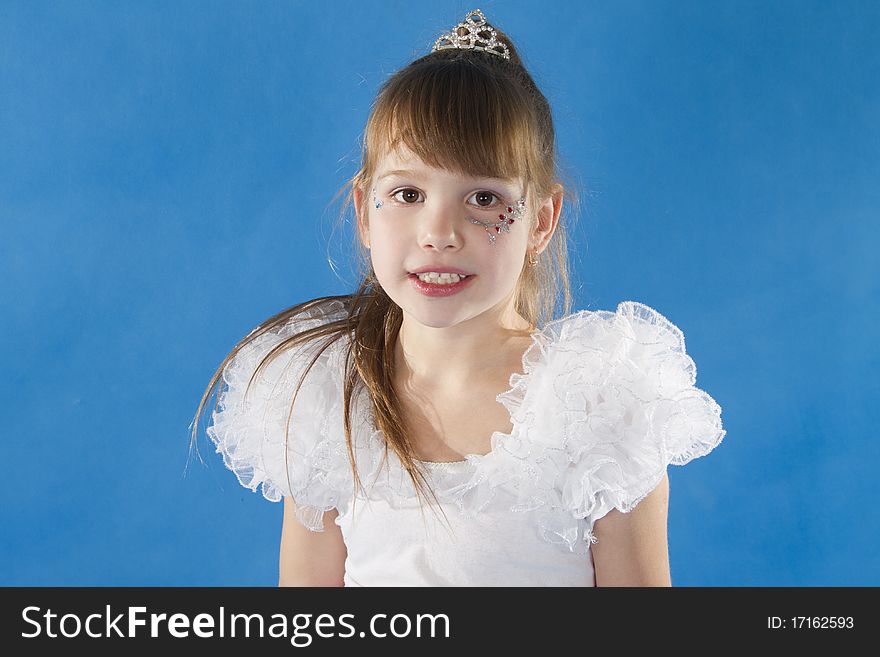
(440, 289)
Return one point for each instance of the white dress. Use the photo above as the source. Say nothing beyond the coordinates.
(605, 401)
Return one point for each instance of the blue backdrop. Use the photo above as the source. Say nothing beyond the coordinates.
(166, 177)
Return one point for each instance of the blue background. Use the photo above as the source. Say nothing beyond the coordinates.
(166, 178)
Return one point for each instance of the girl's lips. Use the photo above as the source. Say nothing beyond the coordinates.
(439, 289)
(440, 269)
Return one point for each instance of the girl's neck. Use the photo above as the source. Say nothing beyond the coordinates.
(451, 358)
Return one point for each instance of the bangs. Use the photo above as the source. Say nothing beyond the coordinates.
(455, 116)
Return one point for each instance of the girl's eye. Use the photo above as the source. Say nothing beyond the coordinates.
(410, 195)
(483, 195)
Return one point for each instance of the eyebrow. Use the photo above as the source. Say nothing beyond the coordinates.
(421, 175)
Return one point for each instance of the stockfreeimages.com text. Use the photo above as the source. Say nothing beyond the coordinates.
(299, 628)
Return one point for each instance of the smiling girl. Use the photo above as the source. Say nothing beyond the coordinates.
(537, 439)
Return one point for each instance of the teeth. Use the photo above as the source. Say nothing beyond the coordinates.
(434, 277)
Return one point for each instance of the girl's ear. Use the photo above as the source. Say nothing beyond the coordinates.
(362, 222)
(548, 218)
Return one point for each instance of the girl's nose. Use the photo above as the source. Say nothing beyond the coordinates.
(442, 225)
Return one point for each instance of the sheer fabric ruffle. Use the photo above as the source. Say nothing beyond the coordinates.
(604, 403)
(249, 430)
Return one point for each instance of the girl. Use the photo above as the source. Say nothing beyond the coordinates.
(541, 453)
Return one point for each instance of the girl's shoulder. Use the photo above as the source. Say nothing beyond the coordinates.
(631, 324)
(613, 403)
(273, 442)
(633, 353)
(275, 338)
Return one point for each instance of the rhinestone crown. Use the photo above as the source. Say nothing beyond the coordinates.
(474, 33)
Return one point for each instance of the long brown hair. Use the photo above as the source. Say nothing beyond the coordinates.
(465, 111)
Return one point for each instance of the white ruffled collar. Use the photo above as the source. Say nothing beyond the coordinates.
(603, 403)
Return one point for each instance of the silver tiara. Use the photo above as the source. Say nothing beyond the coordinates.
(474, 34)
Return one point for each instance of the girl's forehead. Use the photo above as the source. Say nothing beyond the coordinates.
(395, 165)
(404, 161)
(401, 161)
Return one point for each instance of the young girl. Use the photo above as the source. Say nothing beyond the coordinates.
(540, 452)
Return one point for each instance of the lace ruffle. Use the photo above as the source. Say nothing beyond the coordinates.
(639, 406)
(249, 430)
(604, 403)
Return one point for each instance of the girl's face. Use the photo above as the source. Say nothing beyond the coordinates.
(419, 216)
